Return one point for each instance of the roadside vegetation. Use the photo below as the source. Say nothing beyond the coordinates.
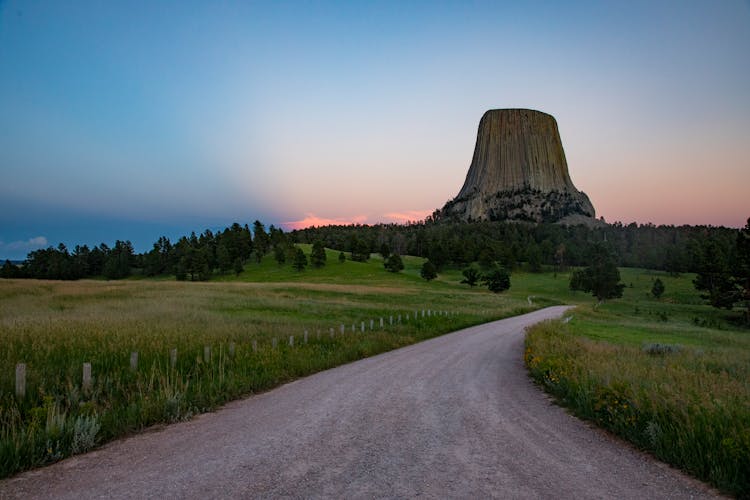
(660, 369)
(199, 345)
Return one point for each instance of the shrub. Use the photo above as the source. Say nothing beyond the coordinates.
(394, 263)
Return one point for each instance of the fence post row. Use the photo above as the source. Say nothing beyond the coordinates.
(86, 380)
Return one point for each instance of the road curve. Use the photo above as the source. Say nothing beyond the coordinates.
(455, 416)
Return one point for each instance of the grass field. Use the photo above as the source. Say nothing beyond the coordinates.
(55, 327)
(671, 375)
(595, 363)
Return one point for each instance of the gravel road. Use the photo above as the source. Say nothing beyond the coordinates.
(455, 416)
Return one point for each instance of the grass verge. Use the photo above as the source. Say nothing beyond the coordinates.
(687, 403)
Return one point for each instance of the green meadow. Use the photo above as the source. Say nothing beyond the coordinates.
(202, 344)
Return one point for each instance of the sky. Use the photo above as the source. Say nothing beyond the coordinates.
(133, 120)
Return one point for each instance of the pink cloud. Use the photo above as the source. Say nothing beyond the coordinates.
(402, 217)
(407, 216)
(313, 220)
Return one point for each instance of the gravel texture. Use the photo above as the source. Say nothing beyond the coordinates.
(455, 416)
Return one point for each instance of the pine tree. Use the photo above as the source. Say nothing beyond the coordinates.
(471, 276)
(428, 271)
(261, 240)
(394, 263)
(238, 267)
(385, 251)
(279, 253)
(8, 270)
(658, 288)
(300, 260)
(318, 255)
(601, 278)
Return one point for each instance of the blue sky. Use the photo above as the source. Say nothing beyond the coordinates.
(140, 119)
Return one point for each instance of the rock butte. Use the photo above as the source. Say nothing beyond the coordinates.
(519, 173)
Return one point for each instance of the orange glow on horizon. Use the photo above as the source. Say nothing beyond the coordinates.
(312, 220)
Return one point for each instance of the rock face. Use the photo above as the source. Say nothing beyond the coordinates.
(519, 173)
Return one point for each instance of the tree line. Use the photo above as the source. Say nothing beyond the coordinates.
(194, 257)
(675, 249)
(718, 255)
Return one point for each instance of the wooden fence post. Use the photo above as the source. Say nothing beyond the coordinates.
(173, 357)
(291, 341)
(232, 348)
(305, 336)
(255, 346)
(134, 360)
(21, 380)
(207, 354)
(86, 376)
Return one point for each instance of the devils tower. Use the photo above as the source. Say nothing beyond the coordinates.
(519, 173)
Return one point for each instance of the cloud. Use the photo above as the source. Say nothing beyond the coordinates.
(408, 216)
(313, 220)
(28, 245)
(19, 249)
